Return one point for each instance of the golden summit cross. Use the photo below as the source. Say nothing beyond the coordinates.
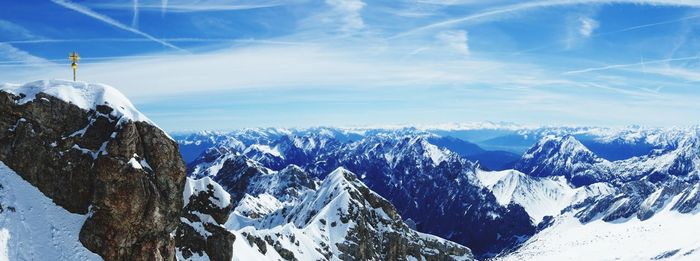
(74, 57)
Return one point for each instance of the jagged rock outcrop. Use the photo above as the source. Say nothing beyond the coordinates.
(87, 148)
(201, 232)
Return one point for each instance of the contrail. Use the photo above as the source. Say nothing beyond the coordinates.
(110, 21)
(135, 19)
(183, 8)
(615, 66)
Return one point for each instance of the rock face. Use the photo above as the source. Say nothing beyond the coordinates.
(201, 230)
(86, 147)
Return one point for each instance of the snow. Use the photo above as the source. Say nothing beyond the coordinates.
(435, 154)
(135, 163)
(264, 149)
(37, 229)
(263, 204)
(666, 233)
(221, 198)
(87, 96)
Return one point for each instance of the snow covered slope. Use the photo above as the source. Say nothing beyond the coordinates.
(32, 227)
(669, 235)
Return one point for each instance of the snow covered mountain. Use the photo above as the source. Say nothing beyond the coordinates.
(432, 186)
(289, 215)
(557, 178)
(626, 203)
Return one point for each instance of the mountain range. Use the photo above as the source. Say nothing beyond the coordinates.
(630, 174)
(85, 176)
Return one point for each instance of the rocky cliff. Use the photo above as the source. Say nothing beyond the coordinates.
(88, 149)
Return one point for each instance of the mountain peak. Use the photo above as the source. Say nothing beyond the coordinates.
(562, 156)
(564, 146)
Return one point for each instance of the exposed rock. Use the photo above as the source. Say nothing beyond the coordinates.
(125, 172)
(201, 230)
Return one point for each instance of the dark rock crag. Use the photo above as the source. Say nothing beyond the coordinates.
(127, 175)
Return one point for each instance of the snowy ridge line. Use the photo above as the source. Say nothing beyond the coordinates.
(86, 96)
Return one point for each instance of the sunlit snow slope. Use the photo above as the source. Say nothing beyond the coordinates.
(668, 235)
(32, 227)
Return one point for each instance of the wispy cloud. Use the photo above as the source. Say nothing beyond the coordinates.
(237, 41)
(348, 11)
(456, 40)
(14, 55)
(533, 5)
(86, 11)
(628, 65)
(324, 65)
(14, 30)
(587, 26)
(165, 7)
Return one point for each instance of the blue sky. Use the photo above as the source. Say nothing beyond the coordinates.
(225, 64)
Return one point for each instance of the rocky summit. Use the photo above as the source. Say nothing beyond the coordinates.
(89, 150)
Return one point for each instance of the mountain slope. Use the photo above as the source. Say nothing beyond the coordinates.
(32, 227)
(667, 235)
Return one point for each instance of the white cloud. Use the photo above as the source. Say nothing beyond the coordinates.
(457, 40)
(587, 26)
(349, 13)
